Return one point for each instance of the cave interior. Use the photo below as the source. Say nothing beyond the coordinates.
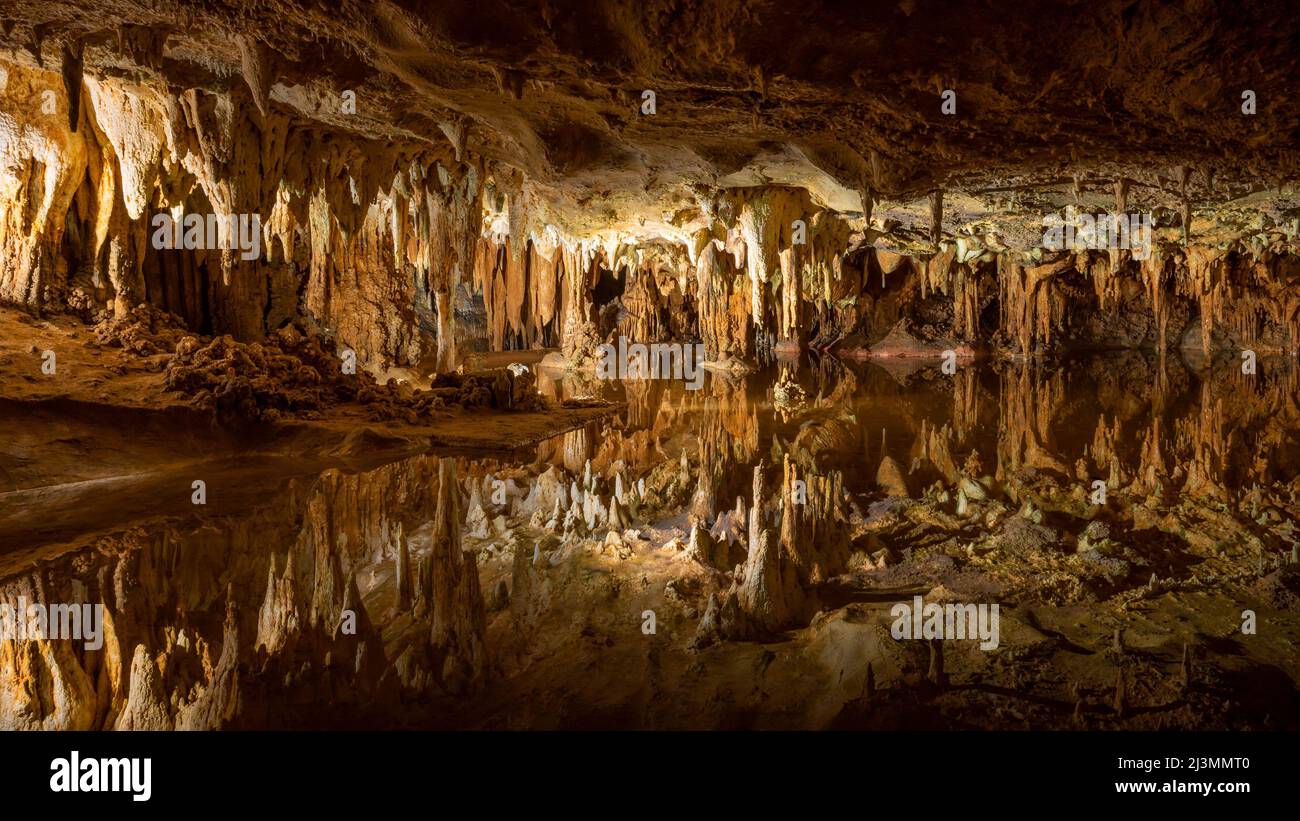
(315, 380)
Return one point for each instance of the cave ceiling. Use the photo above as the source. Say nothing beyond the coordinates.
(840, 99)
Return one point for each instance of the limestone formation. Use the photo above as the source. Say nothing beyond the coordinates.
(264, 266)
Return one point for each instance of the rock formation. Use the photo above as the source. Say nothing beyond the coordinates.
(306, 320)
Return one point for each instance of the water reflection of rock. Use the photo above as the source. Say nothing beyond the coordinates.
(752, 510)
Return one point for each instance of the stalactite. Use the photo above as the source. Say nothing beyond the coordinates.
(766, 217)
(43, 165)
(375, 244)
(936, 216)
(255, 62)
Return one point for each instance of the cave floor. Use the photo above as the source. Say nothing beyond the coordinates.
(107, 414)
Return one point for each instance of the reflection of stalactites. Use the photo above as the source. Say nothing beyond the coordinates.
(1207, 434)
(711, 464)
(965, 404)
(423, 588)
(405, 587)
(738, 415)
(327, 590)
(814, 524)
(577, 448)
(826, 437)
(1029, 403)
(1152, 473)
(278, 620)
(30, 671)
(935, 446)
(459, 620)
(357, 643)
(837, 384)
(146, 705)
(218, 702)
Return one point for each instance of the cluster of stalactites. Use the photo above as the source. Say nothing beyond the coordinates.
(140, 149)
(765, 218)
(1235, 293)
(790, 251)
(535, 294)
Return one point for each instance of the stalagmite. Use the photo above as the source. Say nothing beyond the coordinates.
(574, 521)
(617, 519)
(633, 501)
(556, 520)
(702, 548)
(890, 477)
(769, 593)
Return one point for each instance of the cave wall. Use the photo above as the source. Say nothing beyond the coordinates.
(361, 240)
(369, 242)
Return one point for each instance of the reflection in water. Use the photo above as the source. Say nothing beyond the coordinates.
(738, 513)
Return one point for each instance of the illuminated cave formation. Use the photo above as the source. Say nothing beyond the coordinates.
(302, 311)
